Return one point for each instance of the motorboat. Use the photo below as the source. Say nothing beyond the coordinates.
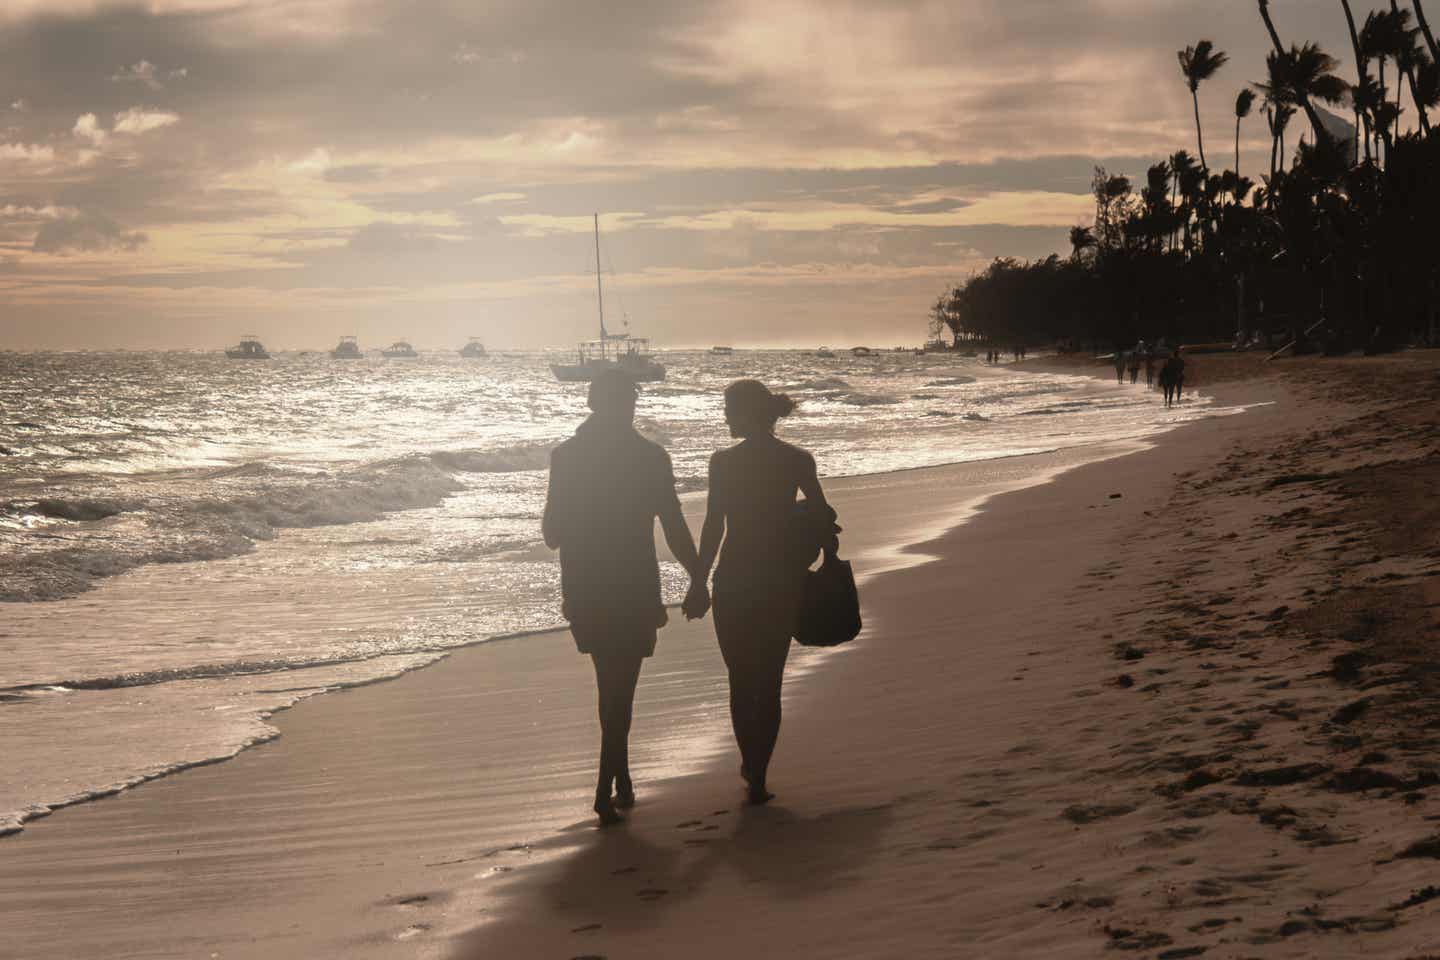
(825, 353)
(861, 351)
(473, 350)
(347, 349)
(250, 348)
(722, 351)
(399, 350)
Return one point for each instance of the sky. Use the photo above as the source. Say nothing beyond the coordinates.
(176, 173)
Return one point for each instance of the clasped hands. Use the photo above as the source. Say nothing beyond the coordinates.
(697, 602)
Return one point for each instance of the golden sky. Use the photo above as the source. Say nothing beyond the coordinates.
(176, 172)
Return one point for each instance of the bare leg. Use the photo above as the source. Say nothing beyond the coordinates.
(615, 677)
(757, 668)
(768, 682)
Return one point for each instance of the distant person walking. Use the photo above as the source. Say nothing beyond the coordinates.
(608, 484)
(1120, 359)
(752, 507)
(1167, 381)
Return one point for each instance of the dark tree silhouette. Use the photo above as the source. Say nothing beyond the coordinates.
(1199, 63)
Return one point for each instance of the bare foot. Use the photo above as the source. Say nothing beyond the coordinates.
(607, 813)
(624, 793)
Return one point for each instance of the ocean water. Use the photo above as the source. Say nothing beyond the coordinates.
(189, 543)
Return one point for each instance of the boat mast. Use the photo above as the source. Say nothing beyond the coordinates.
(599, 295)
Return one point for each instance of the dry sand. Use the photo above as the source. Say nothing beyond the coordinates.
(1194, 718)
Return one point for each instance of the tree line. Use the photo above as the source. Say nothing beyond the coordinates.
(1335, 243)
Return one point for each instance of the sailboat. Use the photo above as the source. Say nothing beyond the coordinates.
(613, 351)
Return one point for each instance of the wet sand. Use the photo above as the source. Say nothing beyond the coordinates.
(1175, 703)
(382, 817)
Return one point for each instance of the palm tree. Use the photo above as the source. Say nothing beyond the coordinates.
(1362, 70)
(1243, 102)
(1377, 42)
(1307, 73)
(1425, 28)
(1367, 96)
(1427, 86)
(1283, 113)
(1279, 105)
(1270, 26)
(1199, 63)
(1081, 239)
(1408, 58)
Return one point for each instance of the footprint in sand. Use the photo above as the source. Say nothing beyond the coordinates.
(414, 930)
(616, 873)
(688, 823)
(413, 900)
(651, 894)
(588, 928)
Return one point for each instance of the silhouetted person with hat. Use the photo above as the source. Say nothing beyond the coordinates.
(608, 484)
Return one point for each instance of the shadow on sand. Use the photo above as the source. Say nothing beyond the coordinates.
(628, 879)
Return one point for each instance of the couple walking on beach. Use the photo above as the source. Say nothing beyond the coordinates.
(608, 484)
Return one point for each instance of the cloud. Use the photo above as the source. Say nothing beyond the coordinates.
(49, 211)
(317, 161)
(87, 127)
(507, 197)
(141, 72)
(147, 73)
(32, 153)
(139, 120)
(86, 233)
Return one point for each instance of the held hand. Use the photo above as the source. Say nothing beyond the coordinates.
(697, 601)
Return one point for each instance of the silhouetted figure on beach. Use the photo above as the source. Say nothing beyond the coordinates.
(1150, 369)
(752, 506)
(608, 484)
(1120, 366)
(1167, 381)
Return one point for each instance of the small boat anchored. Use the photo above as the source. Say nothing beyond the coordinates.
(347, 349)
(399, 350)
(722, 351)
(613, 351)
(250, 348)
(473, 350)
(861, 351)
(825, 353)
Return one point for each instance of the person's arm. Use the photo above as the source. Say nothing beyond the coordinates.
(550, 523)
(713, 531)
(810, 482)
(672, 522)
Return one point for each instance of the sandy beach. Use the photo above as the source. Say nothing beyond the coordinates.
(1175, 702)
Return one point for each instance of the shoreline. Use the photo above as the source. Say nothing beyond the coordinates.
(916, 521)
(999, 789)
(335, 675)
